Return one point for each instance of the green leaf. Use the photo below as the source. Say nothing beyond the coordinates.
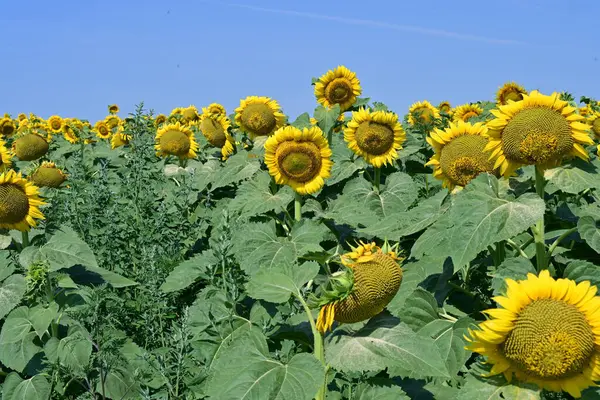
(276, 285)
(589, 232)
(369, 392)
(74, 351)
(579, 271)
(204, 174)
(97, 275)
(12, 291)
(35, 388)
(41, 317)
(345, 162)
(186, 273)
(120, 384)
(574, 177)
(245, 371)
(303, 121)
(326, 117)
(496, 389)
(5, 241)
(7, 267)
(419, 309)
(65, 249)
(478, 217)
(383, 343)
(514, 268)
(238, 167)
(254, 197)
(17, 345)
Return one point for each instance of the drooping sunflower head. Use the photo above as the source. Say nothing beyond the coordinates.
(55, 124)
(229, 147)
(375, 136)
(546, 333)
(160, 119)
(594, 122)
(538, 130)
(112, 121)
(338, 86)
(19, 202)
(113, 109)
(176, 140)
(459, 153)
(21, 116)
(30, 147)
(510, 91)
(299, 158)
(364, 250)
(445, 107)
(215, 128)
(422, 112)
(361, 291)
(5, 157)
(190, 114)
(69, 134)
(7, 127)
(48, 175)
(215, 109)
(466, 112)
(119, 139)
(259, 116)
(102, 130)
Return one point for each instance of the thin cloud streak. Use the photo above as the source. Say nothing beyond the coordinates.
(381, 24)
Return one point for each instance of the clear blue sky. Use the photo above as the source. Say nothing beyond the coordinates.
(73, 58)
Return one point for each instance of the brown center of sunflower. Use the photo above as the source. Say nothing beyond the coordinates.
(30, 147)
(463, 159)
(469, 114)
(424, 115)
(55, 124)
(160, 119)
(512, 94)
(175, 142)
(14, 204)
(259, 119)
(374, 138)
(445, 108)
(537, 135)
(103, 130)
(338, 91)
(596, 126)
(213, 132)
(7, 128)
(300, 161)
(48, 177)
(190, 114)
(550, 339)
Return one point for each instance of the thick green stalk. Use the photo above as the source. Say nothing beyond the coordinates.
(538, 230)
(377, 179)
(318, 350)
(25, 238)
(297, 206)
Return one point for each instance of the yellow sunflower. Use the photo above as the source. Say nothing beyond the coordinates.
(375, 136)
(189, 114)
(362, 251)
(102, 130)
(113, 109)
(259, 116)
(7, 127)
(510, 91)
(176, 140)
(546, 333)
(585, 110)
(112, 121)
(21, 116)
(299, 158)
(48, 175)
(55, 124)
(30, 147)
(445, 107)
(5, 157)
(120, 138)
(228, 148)
(214, 108)
(594, 122)
(69, 134)
(459, 155)
(160, 119)
(19, 202)
(215, 128)
(176, 111)
(422, 112)
(538, 130)
(466, 112)
(338, 86)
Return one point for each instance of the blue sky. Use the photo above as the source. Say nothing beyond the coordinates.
(73, 58)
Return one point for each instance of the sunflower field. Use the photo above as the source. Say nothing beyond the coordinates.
(446, 252)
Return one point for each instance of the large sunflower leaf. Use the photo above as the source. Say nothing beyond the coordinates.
(7, 266)
(326, 117)
(254, 197)
(370, 392)
(574, 177)
(277, 285)
(65, 249)
(186, 273)
(588, 229)
(245, 371)
(345, 162)
(35, 388)
(238, 167)
(496, 388)
(514, 268)
(478, 217)
(385, 342)
(204, 174)
(580, 270)
(17, 345)
(12, 291)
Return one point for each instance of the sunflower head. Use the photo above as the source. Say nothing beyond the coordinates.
(214, 108)
(19, 202)
(510, 91)
(594, 121)
(102, 130)
(375, 136)
(215, 128)
(47, 175)
(361, 291)
(113, 109)
(338, 86)
(546, 333)
(364, 250)
(21, 116)
(299, 158)
(228, 148)
(176, 140)
(466, 111)
(459, 155)
(119, 139)
(55, 124)
(585, 110)
(422, 112)
(538, 130)
(5, 157)
(112, 121)
(30, 147)
(189, 114)
(259, 116)
(445, 107)
(7, 127)
(160, 119)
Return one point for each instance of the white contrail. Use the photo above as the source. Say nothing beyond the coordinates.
(379, 24)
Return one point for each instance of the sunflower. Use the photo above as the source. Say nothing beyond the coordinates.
(594, 121)
(21, 116)
(113, 109)
(69, 134)
(47, 175)
(375, 136)
(176, 111)
(338, 86)
(176, 140)
(30, 147)
(7, 127)
(189, 114)
(214, 128)
(299, 158)
(55, 124)
(546, 333)
(112, 121)
(214, 108)
(259, 116)
(466, 112)
(585, 110)
(102, 130)
(422, 112)
(445, 107)
(228, 148)
(510, 91)
(360, 291)
(120, 138)
(364, 250)
(160, 119)
(19, 202)
(5, 157)
(538, 130)
(459, 155)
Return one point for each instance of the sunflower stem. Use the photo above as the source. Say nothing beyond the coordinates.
(297, 206)
(538, 232)
(377, 179)
(559, 239)
(330, 137)
(25, 239)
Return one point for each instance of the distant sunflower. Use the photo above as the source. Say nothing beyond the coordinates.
(538, 130)
(102, 130)
(445, 107)
(112, 121)
(214, 108)
(177, 111)
(190, 114)
(375, 136)
(48, 175)
(119, 138)
(30, 147)
(299, 158)
(7, 127)
(5, 157)
(422, 112)
(176, 140)
(22, 117)
(19, 202)
(546, 333)
(69, 134)
(466, 112)
(113, 109)
(510, 91)
(55, 124)
(338, 86)
(459, 155)
(594, 121)
(214, 128)
(585, 110)
(259, 116)
(160, 119)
